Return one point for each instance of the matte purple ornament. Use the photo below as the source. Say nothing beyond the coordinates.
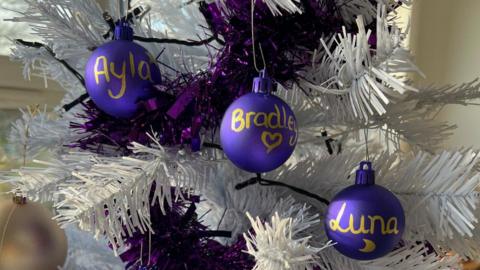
(259, 130)
(121, 73)
(365, 220)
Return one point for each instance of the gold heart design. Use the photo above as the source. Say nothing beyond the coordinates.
(271, 140)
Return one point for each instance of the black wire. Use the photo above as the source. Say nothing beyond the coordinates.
(212, 145)
(80, 99)
(80, 78)
(177, 41)
(50, 51)
(217, 233)
(264, 182)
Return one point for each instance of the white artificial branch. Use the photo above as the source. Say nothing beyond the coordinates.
(41, 131)
(412, 256)
(276, 244)
(122, 187)
(365, 78)
(438, 192)
(42, 181)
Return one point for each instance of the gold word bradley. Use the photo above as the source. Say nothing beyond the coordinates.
(143, 70)
(278, 119)
(390, 227)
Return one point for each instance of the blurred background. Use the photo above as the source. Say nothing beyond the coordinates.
(444, 38)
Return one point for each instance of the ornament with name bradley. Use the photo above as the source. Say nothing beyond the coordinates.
(121, 73)
(259, 130)
(365, 220)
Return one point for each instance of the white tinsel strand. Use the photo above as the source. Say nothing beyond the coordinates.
(412, 119)
(367, 81)
(287, 6)
(39, 131)
(438, 192)
(69, 25)
(350, 9)
(40, 63)
(179, 19)
(277, 246)
(42, 182)
(409, 120)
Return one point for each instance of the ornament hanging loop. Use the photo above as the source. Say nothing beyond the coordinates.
(253, 42)
(19, 200)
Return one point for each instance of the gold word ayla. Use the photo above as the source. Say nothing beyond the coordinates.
(143, 71)
(390, 227)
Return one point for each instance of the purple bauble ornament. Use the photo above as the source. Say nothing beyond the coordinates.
(259, 130)
(365, 220)
(120, 73)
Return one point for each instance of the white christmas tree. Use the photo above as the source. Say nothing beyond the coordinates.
(352, 87)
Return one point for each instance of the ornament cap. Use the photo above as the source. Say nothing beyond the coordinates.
(262, 83)
(123, 31)
(19, 199)
(365, 176)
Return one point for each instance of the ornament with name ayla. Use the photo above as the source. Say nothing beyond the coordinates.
(121, 73)
(259, 130)
(366, 221)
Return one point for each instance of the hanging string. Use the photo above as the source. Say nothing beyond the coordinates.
(263, 56)
(367, 154)
(221, 218)
(120, 8)
(141, 253)
(253, 41)
(17, 200)
(127, 8)
(253, 36)
(365, 131)
(4, 233)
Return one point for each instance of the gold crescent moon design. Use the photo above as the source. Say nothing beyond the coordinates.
(369, 246)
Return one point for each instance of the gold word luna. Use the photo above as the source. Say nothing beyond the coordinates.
(390, 227)
(143, 71)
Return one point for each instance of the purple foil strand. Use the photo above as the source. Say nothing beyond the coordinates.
(177, 243)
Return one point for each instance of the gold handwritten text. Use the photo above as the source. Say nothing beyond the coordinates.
(374, 223)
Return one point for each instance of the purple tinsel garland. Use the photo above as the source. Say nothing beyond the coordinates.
(180, 241)
(191, 102)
